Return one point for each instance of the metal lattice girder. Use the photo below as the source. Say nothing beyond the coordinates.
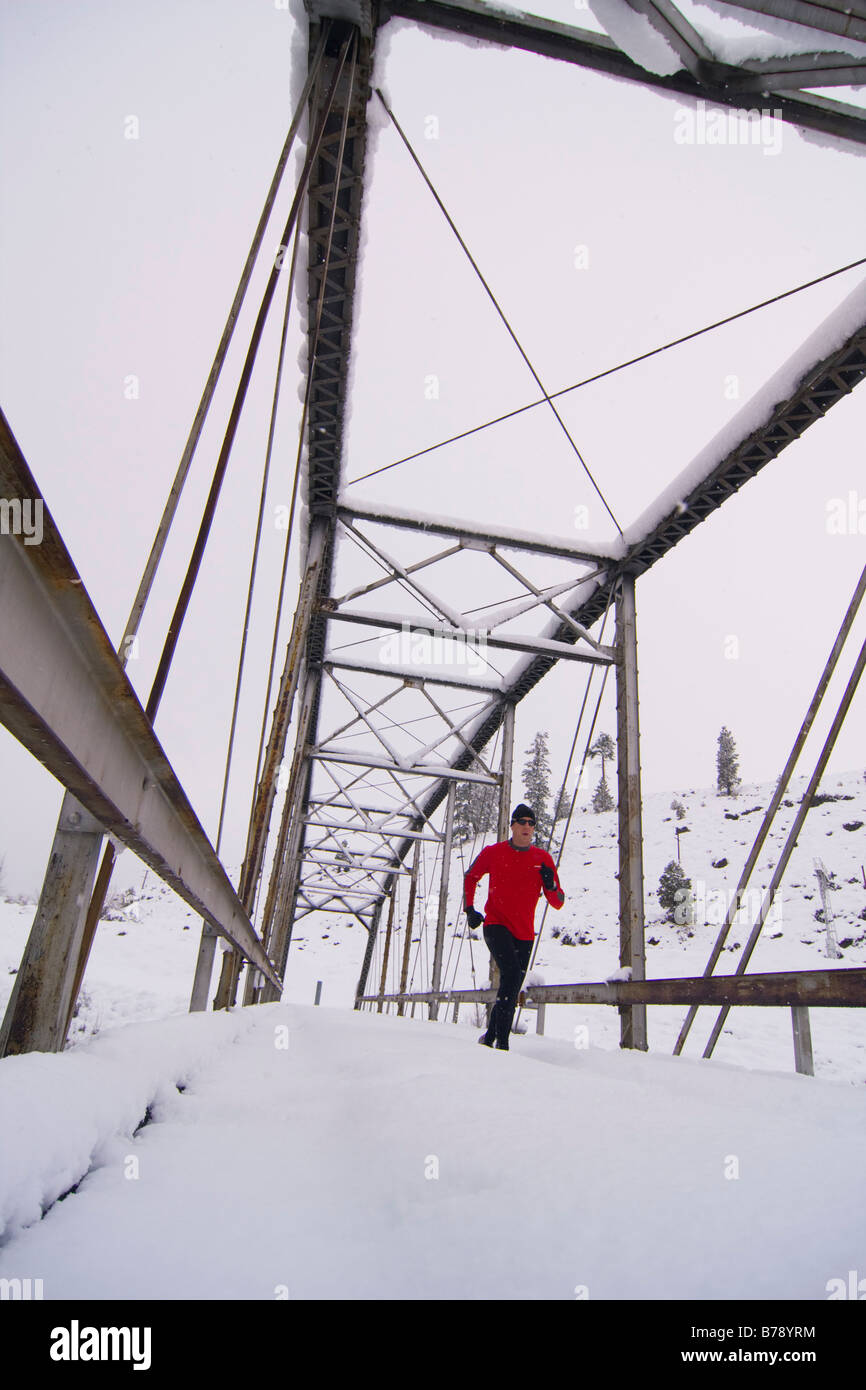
(413, 834)
(602, 656)
(573, 618)
(709, 80)
(366, 760)
(821, 387)
(65, 696)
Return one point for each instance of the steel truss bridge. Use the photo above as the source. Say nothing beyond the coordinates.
(360, 789)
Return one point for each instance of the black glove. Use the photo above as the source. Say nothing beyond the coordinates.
(547, 876)
(475, 918)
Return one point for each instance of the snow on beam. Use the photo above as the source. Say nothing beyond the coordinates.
(365, 830)
(676, 31)
(844, 17)
(816, 69)
(844, 328)
(419, 675)
(566, 44)
(603, 656)
(644, 37)
(472, 536)
(407, 769)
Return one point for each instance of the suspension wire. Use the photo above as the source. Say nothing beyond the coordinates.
(106, 868)
(574, 800)
(350, 41)
(574, 740)
(462, 861)
(395, 579)
(231, 429)
(577, 783)
(610, 371)
(422, 937)
(258, 536)
(232, 961)
(392, 722)
(584, 578)
(497, 307)
(422, 891)
(216, 368)
(404, 724)
(395, 965)
(419, 598)
(310, 365)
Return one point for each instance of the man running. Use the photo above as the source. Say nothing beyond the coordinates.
(518, 871)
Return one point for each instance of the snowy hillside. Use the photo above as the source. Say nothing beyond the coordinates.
(142, 963)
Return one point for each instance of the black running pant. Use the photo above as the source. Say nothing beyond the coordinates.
(512, 958)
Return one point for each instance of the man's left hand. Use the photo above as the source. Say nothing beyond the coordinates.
(547, 877)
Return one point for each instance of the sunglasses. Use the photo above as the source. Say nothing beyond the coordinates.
(523, 820)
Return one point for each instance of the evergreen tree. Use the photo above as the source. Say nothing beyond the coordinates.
(675, 893)
(679, 808)
(563, 806)
(603, 748)
(602, 799)
(475, 809)
(536, 784)
(727, 764)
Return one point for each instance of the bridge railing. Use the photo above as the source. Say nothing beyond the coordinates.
(798, 990)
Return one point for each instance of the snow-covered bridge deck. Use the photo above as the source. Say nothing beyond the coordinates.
(397, 1161)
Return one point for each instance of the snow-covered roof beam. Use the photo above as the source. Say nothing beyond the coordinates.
(472, 535)
(828, 365)
(800, 70)
(680, 37)
(845, 17)
(710, 81)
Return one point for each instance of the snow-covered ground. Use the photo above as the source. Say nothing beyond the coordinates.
(401, 1160)
(398, 1160)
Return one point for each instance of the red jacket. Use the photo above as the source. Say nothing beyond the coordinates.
(514, 888)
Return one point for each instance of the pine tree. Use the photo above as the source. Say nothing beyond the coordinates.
(675, 893)
(602, 799)
(727, 764)
(563, 806)
(603, 748)
(536, 783)
(475, 808)
(680, 809)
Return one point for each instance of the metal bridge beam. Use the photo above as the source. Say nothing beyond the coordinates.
(821, 387)
(65, 696)
(710, 80)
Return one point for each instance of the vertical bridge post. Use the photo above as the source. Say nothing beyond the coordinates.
(436, 980)
(633, 1029)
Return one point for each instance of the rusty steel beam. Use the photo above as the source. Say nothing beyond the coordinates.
(838, 989)
(65, 696)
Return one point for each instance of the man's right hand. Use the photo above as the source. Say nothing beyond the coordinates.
(476, 918)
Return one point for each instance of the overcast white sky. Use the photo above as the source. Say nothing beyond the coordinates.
(120, 257)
